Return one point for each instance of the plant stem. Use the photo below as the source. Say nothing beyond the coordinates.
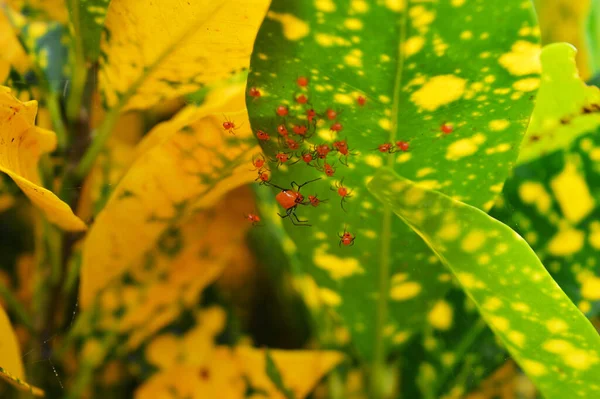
(78, 79)
(16, 306)
(53, 103)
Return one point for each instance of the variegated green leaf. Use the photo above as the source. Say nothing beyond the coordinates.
(416, 65)
(543, 330)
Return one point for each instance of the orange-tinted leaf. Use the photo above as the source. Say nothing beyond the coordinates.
(21, 145)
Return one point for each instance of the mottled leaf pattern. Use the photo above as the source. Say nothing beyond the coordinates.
(182, 166)
(160, 50)
(170, 276)
(545, 333)
(448, 70)
(220, 371)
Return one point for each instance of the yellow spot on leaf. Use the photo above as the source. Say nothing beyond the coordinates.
(533, 367)
(354, 58)
(566, 242)
(499, 322)
(458, 3)
(293, 27)
(330, 297)
(439, 90)
(373, 160)
(342, 98)
(421, 17)
(425, 171)
(523, 59)
(385, 124)
(473, 241)
(449, 232)
(492, 304)
(338, 268)
(594, 237)
(464, 147)
(517, 338)
(325, 5)
(535, 193)
(572, 193)
(359, 6)
(590, 288)
(527, 84)
(413, 45)
(466, 35)
(556, 326)
(395, 5)
(498, 124)
(440, 316)
(327, 40)
(401, 337)
(353, 24)
(404, 291)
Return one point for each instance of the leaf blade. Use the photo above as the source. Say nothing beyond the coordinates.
(513, 292)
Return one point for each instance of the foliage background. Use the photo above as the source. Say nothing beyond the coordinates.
(156, 285)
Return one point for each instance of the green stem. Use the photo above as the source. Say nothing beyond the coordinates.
(462, 348)
(78, 79)
(53, 103)
(54, 242)
(13, 303)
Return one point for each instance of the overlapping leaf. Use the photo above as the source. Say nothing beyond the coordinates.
(566, 107)
(542, 329)
(21, 145)
(11, 365)
(152, 52)
(182, 167)
(170, 276)
(87, 18)
(567, 21)
(220, 371)
(452, 68)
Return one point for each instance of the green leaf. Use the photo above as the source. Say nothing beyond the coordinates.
(453, 355)
(565, 108)
(275, 377)
(552, 202)
(87, 17)
(542, 329)
(476, 76)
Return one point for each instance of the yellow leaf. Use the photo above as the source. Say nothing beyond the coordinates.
(111, 164)
(182, 167)
(171, 275)
(21, 145)
(567, 21)
(11, 366)
(12, 54)
(300, 370)
(164, 49)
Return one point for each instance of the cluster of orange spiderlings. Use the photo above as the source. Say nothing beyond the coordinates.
(291, 138)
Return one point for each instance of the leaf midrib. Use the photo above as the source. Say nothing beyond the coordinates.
(384, 260)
